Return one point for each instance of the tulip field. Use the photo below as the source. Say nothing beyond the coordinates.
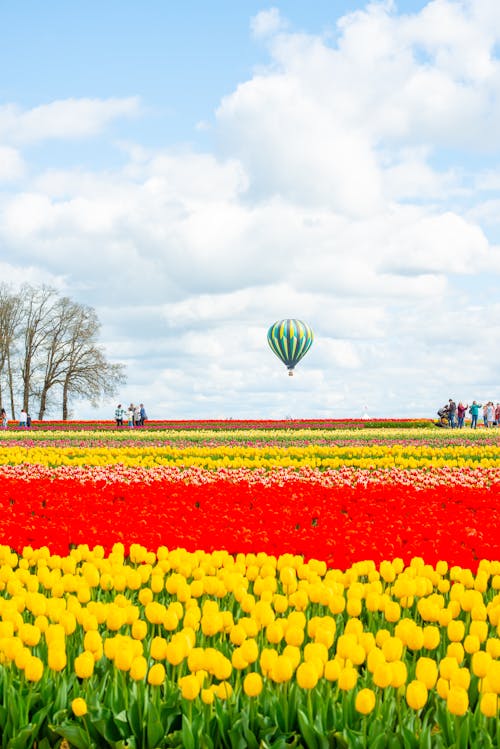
(249, 584)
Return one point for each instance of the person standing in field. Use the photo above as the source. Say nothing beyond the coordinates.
(461, 411)
(119, 413)
(130, 415)
(497, 414)
(490, 414)
(474, 412)
(23, 419)
(143, 414)
(452, 412)
(5, 420)
(485, 414)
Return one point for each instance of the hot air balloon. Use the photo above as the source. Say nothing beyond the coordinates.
(290, 340)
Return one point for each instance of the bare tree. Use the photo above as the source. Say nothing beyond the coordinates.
(38, 321)
(10, 317)
(70, 321)
(90, 375)
(52, 342)
(76, 362)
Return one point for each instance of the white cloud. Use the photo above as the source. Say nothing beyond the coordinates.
(66, 118)
(267, 22)
(12, 166)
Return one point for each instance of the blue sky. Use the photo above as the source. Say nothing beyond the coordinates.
(180, 58)
(195, 171)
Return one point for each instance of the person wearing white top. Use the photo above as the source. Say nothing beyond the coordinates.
(23, 418)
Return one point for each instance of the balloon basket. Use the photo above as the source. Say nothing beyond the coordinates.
(290, 372)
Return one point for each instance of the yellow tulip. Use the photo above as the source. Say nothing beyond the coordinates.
(416, 694)
(84, 665)
(156, 674)
(365, 701)
(307, 676)
(457, 701)
(190, 687)
(252, 684)
(79, 707)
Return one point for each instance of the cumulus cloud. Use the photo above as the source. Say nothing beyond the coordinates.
(67, 118)
(267, 22)
(11, 164)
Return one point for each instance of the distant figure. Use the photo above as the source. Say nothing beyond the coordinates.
(452, 412)
(474, 413)
(144, 415)
(497, 414)
(444, 416)
(490, 414)
(485, 414)
(119, 413)
(28, 421)
(130, 415)
(23, 418)
(5, 420)
(461, 411)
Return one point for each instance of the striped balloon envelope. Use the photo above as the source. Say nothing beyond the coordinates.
(290, 340)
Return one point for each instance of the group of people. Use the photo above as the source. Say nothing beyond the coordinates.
(24, 419)
(454, 415)
(135, 416)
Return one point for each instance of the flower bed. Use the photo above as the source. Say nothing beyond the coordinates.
(209, 593)
(226, 425)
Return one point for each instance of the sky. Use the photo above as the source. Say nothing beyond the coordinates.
(196, 171)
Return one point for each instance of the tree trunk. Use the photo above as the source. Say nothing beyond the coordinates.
(11, 386)
(65, 401)
(26, 384)
(43, 405)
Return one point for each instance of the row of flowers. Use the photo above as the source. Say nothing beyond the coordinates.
(251, 438)
(231, 424)
(166, 648)
(269, 456)
(478, 477)
(338, 524)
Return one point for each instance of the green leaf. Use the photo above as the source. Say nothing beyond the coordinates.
(354, 739)
(395, 742)
(76, 736)
(3, 717)
(379, 741)
(250, 737)
(236, 735)
(463, 735)
(409, 738)
(307, 730)
(61, 695)
(425, 739)
(154, 727)
(338, 741)
(187, 733)
(107, 728)
(44, 744)
(23, 738)
(134, 718)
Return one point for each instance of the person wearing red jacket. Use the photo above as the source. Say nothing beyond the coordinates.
(461, 411)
